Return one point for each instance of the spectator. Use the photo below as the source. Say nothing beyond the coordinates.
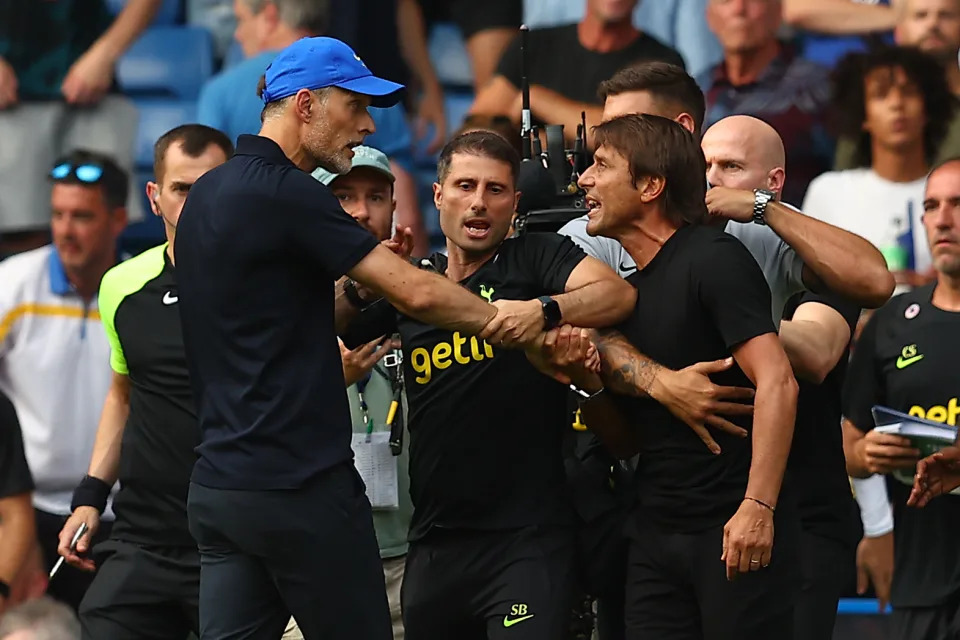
(487, 28)
(56, 74)
(835, 28)
(933, 26)
(763, 77)
(41, 619)
(53, 354)
(566, 64)
(896, 104)
(17, 527)
(678, 23)
(229, 101)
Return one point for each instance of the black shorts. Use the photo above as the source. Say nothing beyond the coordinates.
(926, 623)
(472, 16)
(677, 588)
(467, 585)
(142, 593)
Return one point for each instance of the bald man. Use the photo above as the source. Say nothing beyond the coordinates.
(745, 155)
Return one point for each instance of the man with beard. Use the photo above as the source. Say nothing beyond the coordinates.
(260, 245)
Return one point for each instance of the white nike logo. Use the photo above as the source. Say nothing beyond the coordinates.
(169, 298)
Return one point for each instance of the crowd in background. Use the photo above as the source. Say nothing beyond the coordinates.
(862, 94)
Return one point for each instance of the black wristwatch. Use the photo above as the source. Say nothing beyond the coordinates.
(761, 198)
(4, 590)
(350, 290)
(551, 312)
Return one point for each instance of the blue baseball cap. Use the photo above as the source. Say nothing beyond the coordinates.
(315, 63)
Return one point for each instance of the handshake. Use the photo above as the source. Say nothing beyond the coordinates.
(565, 353)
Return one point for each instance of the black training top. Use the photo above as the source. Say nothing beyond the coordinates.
(259, 246)
(139, 307)
(702, 295)
(906, 360)
(485, 425)
(15, 477)
(817, 466)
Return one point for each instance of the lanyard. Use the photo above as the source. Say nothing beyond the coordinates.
(364, 410)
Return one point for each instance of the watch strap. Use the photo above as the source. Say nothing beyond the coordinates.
(761, 198)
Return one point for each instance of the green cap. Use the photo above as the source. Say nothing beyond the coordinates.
(362, 157)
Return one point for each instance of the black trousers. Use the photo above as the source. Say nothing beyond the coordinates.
(70, 584)
(677, 588)
(828, 569)
(927, 623)
(142, 593)
(310, 552)
(474, 585)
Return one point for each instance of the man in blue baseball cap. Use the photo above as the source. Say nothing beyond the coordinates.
(275, 504)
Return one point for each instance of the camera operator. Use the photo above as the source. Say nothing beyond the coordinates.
(491, 543)
(645, 189)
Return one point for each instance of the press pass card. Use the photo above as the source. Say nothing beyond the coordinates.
(378, 468)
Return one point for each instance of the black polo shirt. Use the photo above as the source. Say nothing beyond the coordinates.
(259, 246)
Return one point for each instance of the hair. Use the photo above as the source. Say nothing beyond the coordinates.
(499, 124)
(276, 106)
(664, 81)
(849, 95)
(656, 146)
(486, 144)
(48, 619)
(312, 16)
(115, 182)
(194, 140)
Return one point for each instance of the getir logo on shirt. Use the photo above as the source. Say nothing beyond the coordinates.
(445, 354)
(939, 413)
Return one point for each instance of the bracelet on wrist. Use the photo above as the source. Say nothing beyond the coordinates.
(761, 503)
(91, 492)
(350, 290)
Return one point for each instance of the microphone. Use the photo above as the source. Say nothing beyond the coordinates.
(526, 118)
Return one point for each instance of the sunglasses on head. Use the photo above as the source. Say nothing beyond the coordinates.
(88, 173)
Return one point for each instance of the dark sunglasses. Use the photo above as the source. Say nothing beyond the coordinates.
(87, 173)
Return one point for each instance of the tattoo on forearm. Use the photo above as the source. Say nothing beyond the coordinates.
(624, 369)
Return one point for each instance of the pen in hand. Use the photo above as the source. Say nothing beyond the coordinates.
(73, 547)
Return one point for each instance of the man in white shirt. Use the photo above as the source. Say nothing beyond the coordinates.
(54, 356)
(897, 104)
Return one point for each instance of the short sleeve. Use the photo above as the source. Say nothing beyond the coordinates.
(606, 250)
(549, 259)
(108, 299)
(15, 478)
(733, 291)
(863, 387)
(319, 227)
(509, 65)
(849, 310)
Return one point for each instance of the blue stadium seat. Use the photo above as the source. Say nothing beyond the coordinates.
(158, 116)
(167, 61)
(170, 11)
(449, 56)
